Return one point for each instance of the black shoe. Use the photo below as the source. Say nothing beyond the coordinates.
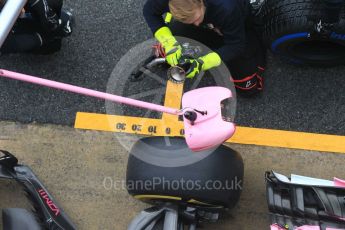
(67, 21)
(65, 27)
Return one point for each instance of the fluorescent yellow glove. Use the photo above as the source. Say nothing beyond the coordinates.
(203, 63)
(168, 17)
(171, 46)
(210, 60)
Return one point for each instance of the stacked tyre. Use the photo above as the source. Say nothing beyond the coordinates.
(293, 30)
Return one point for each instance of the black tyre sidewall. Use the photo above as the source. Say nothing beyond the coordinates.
(224, 165)
(289, 29)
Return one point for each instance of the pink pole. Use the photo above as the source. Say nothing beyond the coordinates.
(87, 92)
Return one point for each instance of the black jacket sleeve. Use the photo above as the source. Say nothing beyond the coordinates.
(234, 31)
(153, 13)
(47, 17)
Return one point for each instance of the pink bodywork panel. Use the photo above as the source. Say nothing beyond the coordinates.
(339, 183)
(305, 227)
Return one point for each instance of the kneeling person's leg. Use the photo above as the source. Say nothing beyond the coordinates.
(247, 71)
(247, 76)
(21, 43)
(56, 5)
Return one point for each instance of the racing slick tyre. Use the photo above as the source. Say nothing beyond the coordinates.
(215, 181)
(293, 29)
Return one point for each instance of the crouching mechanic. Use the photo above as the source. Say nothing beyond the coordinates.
(39, 28)
(225, 26)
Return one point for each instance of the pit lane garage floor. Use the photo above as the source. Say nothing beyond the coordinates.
(73, 164)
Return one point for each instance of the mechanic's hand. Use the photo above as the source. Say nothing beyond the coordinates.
(171, 47)
(173, 54)
(203, 63)
(192, 67)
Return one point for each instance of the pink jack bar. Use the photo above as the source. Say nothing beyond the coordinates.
(87, 92)
(206, 130)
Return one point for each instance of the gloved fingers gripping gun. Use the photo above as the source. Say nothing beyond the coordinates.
(177, 73)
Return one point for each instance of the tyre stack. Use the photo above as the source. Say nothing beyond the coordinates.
(293, 29)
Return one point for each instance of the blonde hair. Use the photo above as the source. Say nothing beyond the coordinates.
(184, 10)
